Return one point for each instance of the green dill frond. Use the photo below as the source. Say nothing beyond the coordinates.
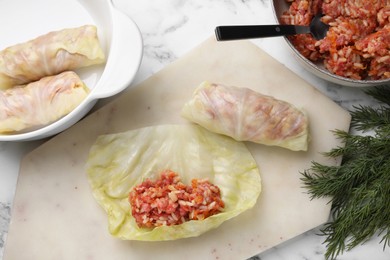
(381, 94)
(359, 189)
(368, 118)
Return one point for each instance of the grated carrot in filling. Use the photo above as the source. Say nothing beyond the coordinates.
(167, 201)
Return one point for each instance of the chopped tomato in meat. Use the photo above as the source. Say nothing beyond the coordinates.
(357, 43)
(167, 201)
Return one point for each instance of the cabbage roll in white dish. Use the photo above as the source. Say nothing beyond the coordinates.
(247, 115)
(50, 54)
(40, 102)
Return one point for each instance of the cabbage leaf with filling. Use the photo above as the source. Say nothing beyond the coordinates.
(118, 162)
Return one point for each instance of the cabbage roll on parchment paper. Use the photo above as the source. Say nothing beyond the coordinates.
(40, 102)
(246, 115)
(50, 54)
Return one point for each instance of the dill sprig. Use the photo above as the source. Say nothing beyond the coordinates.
(359, 189)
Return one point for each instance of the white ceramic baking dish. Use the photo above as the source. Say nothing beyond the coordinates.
(119, 35)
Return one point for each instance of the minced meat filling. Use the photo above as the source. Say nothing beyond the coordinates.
(357, 43)
(167, 201)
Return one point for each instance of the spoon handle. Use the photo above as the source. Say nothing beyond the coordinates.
(240, 32)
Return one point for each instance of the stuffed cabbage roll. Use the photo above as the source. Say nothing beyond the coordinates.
(40, 102)
(117, 163)
(50, 54)
(246, 115)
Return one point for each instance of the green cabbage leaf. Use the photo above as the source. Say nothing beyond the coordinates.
(118, 162)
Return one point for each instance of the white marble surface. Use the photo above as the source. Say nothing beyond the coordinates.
(171, 28)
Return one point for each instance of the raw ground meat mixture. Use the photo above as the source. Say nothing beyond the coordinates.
(167, 201)
(357, 45)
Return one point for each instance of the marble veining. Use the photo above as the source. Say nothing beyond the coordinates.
(5, 211)
(170, 29)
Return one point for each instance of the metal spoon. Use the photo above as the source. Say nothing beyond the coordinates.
(239, 32)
